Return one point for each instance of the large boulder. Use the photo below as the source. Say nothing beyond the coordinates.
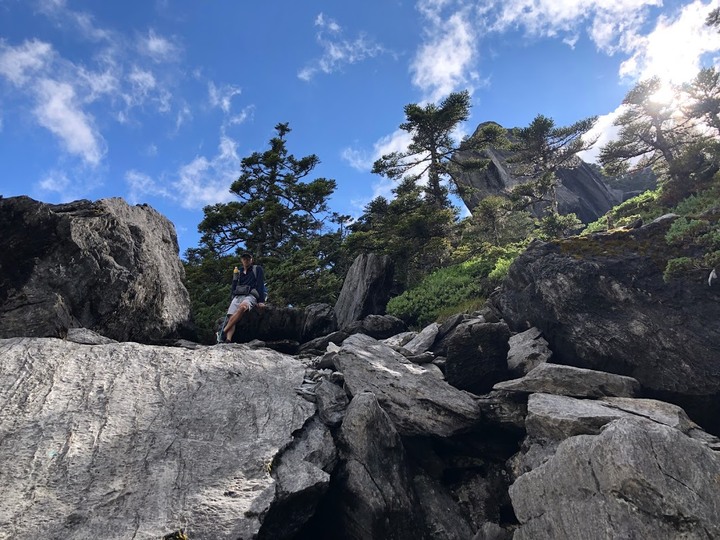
(602, 303)
(366, 289)
(636, 479)
(581, 188)
(125, 440)
(418, 402)
(105, 265)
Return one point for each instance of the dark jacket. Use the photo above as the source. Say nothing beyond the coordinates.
(251, 282)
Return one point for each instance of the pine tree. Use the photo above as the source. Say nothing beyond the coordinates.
(282, 219)
(431, 153)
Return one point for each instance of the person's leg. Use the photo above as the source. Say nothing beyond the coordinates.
(230, 326)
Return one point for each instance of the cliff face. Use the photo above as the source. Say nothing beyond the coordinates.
(581, 189)
(104, 265)
(602, 303)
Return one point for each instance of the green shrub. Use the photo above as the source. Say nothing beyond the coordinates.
(454, 288)
(684, 230)
(676, 267)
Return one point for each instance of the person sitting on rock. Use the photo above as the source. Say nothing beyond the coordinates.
(248, 291)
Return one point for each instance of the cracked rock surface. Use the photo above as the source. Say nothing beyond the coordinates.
(135, 441)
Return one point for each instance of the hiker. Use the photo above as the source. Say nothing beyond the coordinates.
(248, 291)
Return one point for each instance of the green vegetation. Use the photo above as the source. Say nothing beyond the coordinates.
(454, 288)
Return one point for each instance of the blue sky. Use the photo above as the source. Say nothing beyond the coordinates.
(157, 101)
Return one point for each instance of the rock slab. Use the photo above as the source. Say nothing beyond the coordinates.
(136, 441)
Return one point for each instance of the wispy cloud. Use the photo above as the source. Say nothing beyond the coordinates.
(58, 110)
(19, 64)
(222, 96)
(197, 183)
(446, 60)
(338, 51)
(159, 48)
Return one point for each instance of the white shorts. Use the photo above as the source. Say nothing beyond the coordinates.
(250, 300)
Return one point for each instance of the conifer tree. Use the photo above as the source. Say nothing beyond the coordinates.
(432, 150)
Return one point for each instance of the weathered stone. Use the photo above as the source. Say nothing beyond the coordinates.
(366, 288)
(377, 500)
(317, 320)
(446, 330)
(636, 479)
(270, 324)
(477, 355)
(377, 326)
(106, 266)
(83, 336)
(492, 531)
(442, 516)
(127, 440)
(572, 381)
(527, 350)
(399, 340)
(302, 475)
(424, 340)
(504, 409)
(332, 402)
(415, 399)
(581, 189)
(602, 303)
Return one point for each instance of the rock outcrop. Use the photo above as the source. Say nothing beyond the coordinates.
(581, 188)
(529, 426)
(103, 265)
(602, 303)
(135, 441)
(366, 288)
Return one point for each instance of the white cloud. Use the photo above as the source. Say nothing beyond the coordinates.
(159, 48)
(68, 185)
(603, 131)
(141, 185)
(222, 97)
(337, 51)
(672, 51)
(58, 111)
(444, 62)
(357, 159)
(19, 64)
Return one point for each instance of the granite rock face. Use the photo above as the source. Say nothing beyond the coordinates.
(581, 190)
(106, 266)
(366, 288)
(135, 441)
(626, 482)
(601, 303)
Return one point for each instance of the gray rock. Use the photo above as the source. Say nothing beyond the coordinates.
(302, 474)
(83, 336)
(332, 402)
(527, 350)
(317, 320)
(417, 401)
(106, 266)
(602, 303)
(492, 531)
(477, 355)
(366, 288)
(377, 326)
(572, 381)
(424, 340)
(399, 340)
(636, 479)
(442, 516)
(581, 189)
(377, 500)
(127, 440)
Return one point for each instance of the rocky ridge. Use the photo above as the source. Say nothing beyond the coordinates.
(488, 426)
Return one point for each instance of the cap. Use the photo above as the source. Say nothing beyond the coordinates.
(246, 255)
